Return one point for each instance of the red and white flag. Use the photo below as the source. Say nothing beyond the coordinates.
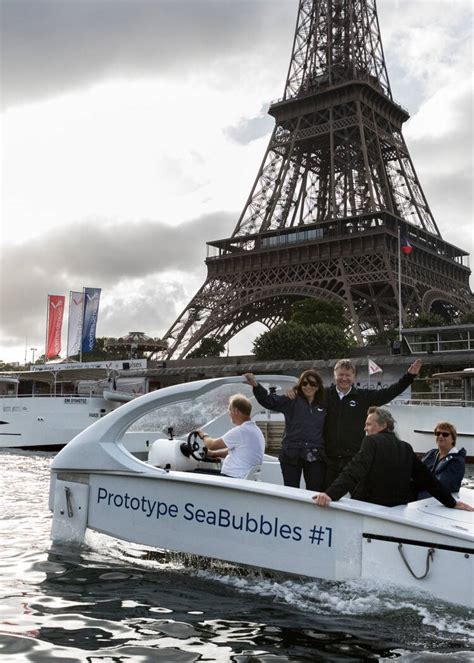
(74, 329)
(374, 368)
(55, 324)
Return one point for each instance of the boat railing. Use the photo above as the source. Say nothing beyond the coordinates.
(41, 395)
(430, 402)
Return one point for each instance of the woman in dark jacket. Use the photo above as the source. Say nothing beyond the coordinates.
(302, 448)
(446, 462)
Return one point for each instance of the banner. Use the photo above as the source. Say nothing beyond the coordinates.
(74, 329)
(55, 323)
(373, 368)
(89, 320)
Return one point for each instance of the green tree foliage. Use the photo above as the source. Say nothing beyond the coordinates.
(426, 320)
(209, 347)
(318, 311)
(382, 338)
(467, 318)
(295, 341)
(102, 352)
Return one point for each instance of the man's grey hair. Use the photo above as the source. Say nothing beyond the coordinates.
(383, 417)
(347, 364)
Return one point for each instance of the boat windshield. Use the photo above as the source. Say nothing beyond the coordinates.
(207, 409)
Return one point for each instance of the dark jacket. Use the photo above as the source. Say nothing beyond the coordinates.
(387, 471)
(304, 423)
(449, 471)
(345, 418)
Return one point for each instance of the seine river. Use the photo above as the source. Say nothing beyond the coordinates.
(112, 601)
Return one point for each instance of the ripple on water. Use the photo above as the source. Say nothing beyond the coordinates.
(116, 601)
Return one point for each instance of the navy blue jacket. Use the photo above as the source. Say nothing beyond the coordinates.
(345, 420)
(304, 423)
(387, 471)
(449, 471)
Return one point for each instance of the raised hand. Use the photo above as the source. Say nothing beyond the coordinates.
(414, 368)
(250, 379)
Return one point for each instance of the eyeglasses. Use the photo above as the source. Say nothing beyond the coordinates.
(443, 433)
(305, 383)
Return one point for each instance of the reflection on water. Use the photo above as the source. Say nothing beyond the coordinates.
(112, 601)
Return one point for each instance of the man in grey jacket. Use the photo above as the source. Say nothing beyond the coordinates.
(386, 470)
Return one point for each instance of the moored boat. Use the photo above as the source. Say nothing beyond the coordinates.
(46, 407)
(97, 483)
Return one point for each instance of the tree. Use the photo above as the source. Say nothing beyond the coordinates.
(318, 311)
(382, 337)
(295, 341)
(426, 320)
(102, 352)
(466, 318)
(209, 347)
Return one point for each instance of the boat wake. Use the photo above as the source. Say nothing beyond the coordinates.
(335, 602)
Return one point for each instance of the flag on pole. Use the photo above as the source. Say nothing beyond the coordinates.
(405, 245)
(74, 329)
(54, 327)
(89, 320)
(374, 368)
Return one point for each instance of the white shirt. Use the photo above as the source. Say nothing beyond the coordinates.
(341, 394)
(246, 446)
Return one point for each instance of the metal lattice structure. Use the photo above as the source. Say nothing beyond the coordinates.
(335, 189)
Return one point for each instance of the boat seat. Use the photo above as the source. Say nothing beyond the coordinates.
(254, 473)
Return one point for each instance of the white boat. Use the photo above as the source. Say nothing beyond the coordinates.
(97, 484)
(416, 418)
(46, 407)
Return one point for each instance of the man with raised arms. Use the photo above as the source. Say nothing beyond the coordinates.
(346, 410)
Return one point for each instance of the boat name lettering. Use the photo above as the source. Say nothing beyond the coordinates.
(137, 504)
(80, 401)
(247, 522)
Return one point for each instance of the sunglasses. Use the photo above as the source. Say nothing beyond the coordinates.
(311, 383)
(443, 433)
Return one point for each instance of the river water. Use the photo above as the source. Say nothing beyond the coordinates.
(113, 601)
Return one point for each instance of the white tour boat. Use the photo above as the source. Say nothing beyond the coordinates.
(417, 418)
(97, 483)
(46, 407)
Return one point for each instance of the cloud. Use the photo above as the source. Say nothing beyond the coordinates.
(51, 45)
(251, 128)
(147, 270)
(132, 122)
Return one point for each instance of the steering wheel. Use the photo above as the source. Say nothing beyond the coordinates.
(194, 447)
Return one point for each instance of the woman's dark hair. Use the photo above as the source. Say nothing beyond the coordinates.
(312, 375)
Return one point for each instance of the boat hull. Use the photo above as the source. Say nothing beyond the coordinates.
(273, 527)
(48, 423)
(34, 422)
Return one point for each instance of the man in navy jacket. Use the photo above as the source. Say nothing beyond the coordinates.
(346, 412)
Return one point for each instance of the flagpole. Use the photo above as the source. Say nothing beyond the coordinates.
(47, 328)
(82, 325)
(399, 286)
(68, 323)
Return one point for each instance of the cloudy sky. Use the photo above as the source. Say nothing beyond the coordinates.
(132, 131)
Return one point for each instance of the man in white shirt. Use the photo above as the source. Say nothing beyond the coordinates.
(243, 446)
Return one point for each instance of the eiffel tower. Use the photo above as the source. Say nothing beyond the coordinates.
(335, 191)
